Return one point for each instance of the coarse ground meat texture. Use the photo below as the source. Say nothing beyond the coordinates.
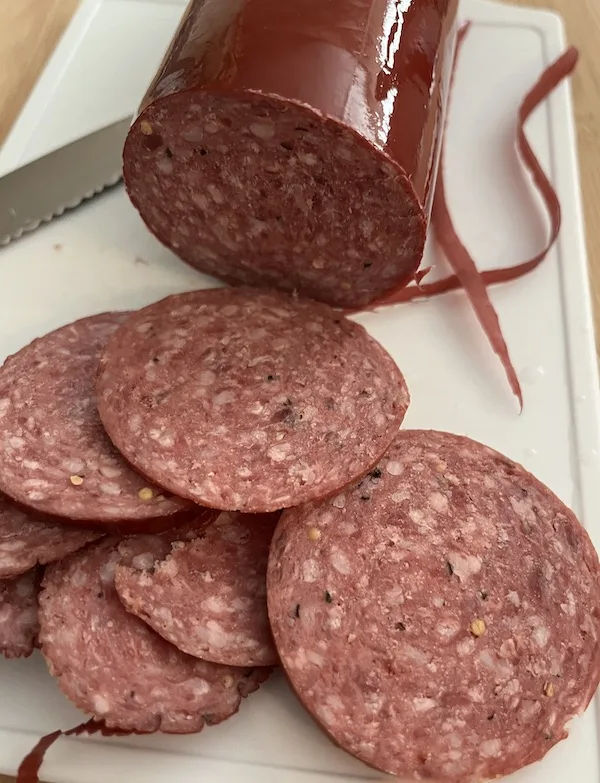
(112, 665)
(26, 542)
(248, 400)
(55, 457)
(441, 619)
(251, 191)
(19, 622)
(208, 596)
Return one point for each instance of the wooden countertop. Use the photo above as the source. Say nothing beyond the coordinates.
(30, 29)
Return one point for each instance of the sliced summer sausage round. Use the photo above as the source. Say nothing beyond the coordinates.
(248, 400)
(440, 619)
(55, 457)
(112, 665)
(208, 596)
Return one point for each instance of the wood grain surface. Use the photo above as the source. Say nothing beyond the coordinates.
(30, 29)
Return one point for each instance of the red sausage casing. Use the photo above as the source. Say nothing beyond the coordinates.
(295, 144)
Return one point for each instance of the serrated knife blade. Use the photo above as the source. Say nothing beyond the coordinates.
(47, 187)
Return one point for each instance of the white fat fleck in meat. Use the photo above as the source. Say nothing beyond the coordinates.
(414, 654)
(303, 472)
(100, 704)
(73, 465)
(312, 656)
(490, 748)
(279, 453)
(464, 566)
(215, 194)
(339, 501)
(522, 508)
(569, 606)
(108, 488)
(511, 688)
(4, 406)
(394, 468)
(199, 686)
(194, 134)
(216, 635)
(475, 694)
(308, 158)
(164, 613)
(216, 604)
(143, 561)
(400, 497)
(164, 165)
(541, 636)
(108, 471)
(170, 568)
(448, 628)
(423, 704)
(508, 649)
(31, 464)
(438, 502)
(513, 598)
(340, 562)
(417, 515)
(310, 570)
(502, 669)
(528, 710)
(107, 572)
(547, 571)
(200, 201)
(334, 618)
(35, 484)
(15, 442)
(263, 129)
(465, 647)
(224, 397)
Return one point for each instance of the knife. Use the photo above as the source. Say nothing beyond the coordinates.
(61, 180)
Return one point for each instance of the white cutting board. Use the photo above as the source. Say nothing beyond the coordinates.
(101, 257)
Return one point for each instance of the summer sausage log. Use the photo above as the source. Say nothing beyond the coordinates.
(112, 665)
(26, 542)
(441, 619)
(248, 400)
(19, 624)
(55, 457)
(294, 144)
(208, 596)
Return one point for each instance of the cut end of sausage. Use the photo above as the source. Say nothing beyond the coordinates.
(260, 191)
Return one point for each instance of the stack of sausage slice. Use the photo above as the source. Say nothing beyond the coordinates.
(217, 483)
(124, 437)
